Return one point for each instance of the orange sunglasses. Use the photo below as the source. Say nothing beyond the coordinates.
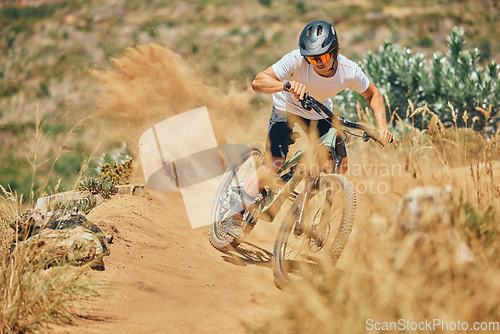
(323, 58)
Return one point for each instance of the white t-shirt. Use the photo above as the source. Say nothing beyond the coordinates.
(294, 67)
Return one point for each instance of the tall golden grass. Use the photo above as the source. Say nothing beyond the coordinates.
(383, 277)
(31, 294)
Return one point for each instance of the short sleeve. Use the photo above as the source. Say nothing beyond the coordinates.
(287, 65)
(360, 81)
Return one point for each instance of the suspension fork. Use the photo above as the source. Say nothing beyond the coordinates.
(314, 232)
(319, 229)
(308, 194)
(298, 221)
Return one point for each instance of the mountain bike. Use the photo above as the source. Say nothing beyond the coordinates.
(317, 225)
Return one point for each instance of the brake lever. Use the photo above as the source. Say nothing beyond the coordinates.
(309, 103)
(305, 100)
(367, 137)
(305, 104)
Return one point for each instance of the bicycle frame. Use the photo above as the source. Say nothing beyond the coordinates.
(273, 201)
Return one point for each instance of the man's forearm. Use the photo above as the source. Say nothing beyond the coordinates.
(378, 108)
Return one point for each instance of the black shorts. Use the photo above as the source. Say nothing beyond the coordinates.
(279, 134)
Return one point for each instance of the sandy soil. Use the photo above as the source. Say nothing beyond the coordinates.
(165, 277)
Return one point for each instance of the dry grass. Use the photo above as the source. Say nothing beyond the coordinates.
(385, 276)
(32, 295)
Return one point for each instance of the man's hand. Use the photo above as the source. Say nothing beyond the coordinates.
(297, 89)
(376, 103)
(385, 136)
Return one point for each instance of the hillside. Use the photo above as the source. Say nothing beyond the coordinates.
(50, 95)
(79, 79)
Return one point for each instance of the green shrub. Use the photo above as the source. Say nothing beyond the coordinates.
(116, 166)
(455, 79)
(84, 205)
(90, 184)
(96, 186)
(113, 170)
(118, 173)
(300, 5)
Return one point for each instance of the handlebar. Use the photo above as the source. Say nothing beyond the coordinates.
(308, 103)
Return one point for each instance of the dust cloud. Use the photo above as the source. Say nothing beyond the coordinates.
(150, 83)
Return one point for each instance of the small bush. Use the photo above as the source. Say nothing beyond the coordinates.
(116, 167)
(90, 184)
(96, 186)
(31, 295)
(84, 205)
(110, 175)
(456, 79)
(118, 173)
(300, 5)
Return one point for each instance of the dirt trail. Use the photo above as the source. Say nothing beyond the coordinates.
(165, 277)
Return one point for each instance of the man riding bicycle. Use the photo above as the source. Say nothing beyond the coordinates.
(317, 68)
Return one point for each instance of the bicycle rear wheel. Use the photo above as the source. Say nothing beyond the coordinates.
(314, 231)
(225, 204)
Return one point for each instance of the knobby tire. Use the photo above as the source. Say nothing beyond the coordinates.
(217, 238)
(296, 255)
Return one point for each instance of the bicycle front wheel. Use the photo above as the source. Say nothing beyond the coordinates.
(315, 230)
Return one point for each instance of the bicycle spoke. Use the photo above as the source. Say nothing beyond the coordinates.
(322, 232)
(229, 200)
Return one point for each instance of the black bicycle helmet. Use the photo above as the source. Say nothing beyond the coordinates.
(318, 38)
